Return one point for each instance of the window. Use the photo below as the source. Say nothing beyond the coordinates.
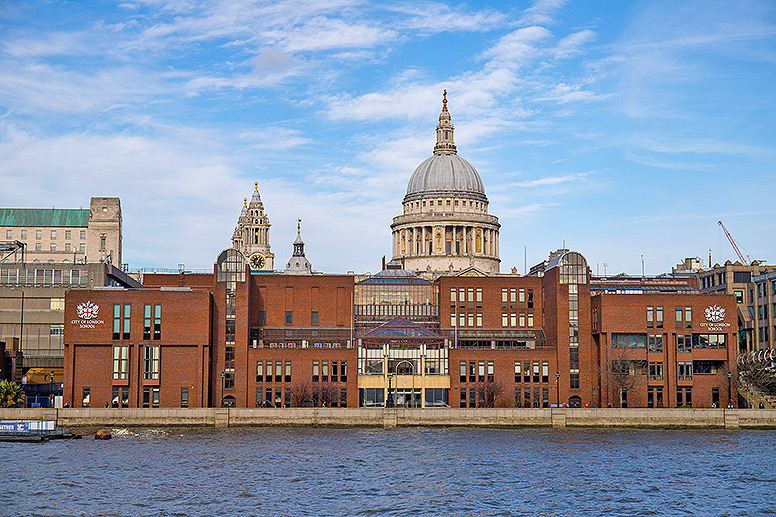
(288, 372)
(650, 317)
(463, 398)
(683, 343)
(316, 371)
(68, 248)
(536, 371)
(513, 319)
(574, 380)
(68, 234)
(82, 248)
(147, 321)
(57, 329)
(150, 396)
(324, 371)
(184, 397)
(116, 321)
(545, 371)
(629, 340)
(86, 396)
(9, 234)
(679, 318)
(229, 380)
(655, 343)
(262, 318)
(24, 234)
(688, 317)
(659, 317)
(38, 247)
(530, 319)
(463, 371)
(53, 234)
(120, 362)
(708, 340)
(656, 371)
(157, 322)
(57, 304)
(53, 246)
(102, 242)
(521, 298)
(229, 357)
(479, 298)
(490, 371)
(127, 309)
(82, 236)
(289, 317)
(518, 375)
(314, 318)
(259, 372)
(504, 298)
(529, 299)
(513, 298)
(151, 363)
(344, 372)
(684, 371)
(38, 234)
(504, 319)
(479, 319)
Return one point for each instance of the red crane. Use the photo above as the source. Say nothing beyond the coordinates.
(733, 243)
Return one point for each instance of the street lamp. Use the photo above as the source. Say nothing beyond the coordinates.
(389, 400)
(730, 393)
(223, 381)
(557, 389)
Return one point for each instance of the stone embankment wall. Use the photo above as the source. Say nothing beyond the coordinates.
(379, 417)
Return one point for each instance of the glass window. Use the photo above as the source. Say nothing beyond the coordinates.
(184, 397)
(151, 363)
(259, 371)
(314, 318)
(38, 234)
(9, 234)
(125, 331)
(116, 321)
(82, 236)
(147, 321)
(120, 362)
(53, 234)
(157, 321)
(289, 318)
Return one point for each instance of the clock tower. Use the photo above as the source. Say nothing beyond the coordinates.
(251, 235)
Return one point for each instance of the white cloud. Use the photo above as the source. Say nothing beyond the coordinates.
(549, 181)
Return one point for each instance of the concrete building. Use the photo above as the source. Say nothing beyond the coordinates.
(65, 235)
(32, 302)
(763, 311)
(445, 226)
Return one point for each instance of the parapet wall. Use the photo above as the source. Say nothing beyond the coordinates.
(379, 417)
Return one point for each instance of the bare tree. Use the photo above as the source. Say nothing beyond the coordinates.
(328, 394)
(619, 373)
(489, 394)
(301, 394)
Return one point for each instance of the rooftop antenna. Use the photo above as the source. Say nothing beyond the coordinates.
(525, 260)
(642, 266)
(605, 264)
(710, 263)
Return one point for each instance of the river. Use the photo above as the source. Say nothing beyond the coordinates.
(402, 471)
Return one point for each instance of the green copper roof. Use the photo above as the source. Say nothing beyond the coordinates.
(67, 217)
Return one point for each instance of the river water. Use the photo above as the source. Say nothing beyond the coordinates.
(404, 471)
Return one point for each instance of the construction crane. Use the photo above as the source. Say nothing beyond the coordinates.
(733, 243)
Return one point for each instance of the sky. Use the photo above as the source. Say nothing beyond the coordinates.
(622, 129)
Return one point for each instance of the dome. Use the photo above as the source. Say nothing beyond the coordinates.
(445, 174)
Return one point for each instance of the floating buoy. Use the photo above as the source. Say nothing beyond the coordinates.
(102, 434)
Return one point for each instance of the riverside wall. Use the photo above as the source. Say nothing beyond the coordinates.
(379, 417)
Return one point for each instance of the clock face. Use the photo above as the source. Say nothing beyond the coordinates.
(257, 261)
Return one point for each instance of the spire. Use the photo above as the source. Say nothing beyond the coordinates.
(256, 197)
(244, 210)
(445, 143)
(298, 265)
(298, 242)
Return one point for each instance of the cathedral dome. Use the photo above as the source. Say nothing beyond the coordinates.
(445, 174)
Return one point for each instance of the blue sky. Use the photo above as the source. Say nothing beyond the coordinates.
(621, 128)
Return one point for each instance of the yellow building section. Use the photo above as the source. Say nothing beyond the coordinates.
(404, 381)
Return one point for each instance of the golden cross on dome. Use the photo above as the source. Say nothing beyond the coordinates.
(256, 186)
(444, 100)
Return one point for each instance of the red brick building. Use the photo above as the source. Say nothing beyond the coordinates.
(246, 338)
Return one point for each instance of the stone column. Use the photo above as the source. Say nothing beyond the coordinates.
(423, 249)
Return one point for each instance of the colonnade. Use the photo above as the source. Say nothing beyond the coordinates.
(429, 240)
